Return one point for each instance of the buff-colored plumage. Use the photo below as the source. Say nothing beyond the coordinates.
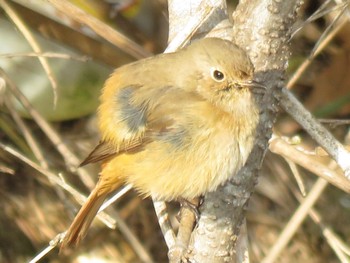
(174, 125)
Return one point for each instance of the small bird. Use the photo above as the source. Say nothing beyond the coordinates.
(174, 126)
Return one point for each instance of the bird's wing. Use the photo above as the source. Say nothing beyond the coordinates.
(105, 150)
(166, 115)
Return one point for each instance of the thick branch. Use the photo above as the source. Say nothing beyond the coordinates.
(261, 27)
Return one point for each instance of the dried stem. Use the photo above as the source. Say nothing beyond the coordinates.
(296, 220)
(280, 147)
(317, 131)
(71, 159)
(22, 27)
(101, 29)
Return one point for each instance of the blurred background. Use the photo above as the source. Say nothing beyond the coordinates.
(55, 60)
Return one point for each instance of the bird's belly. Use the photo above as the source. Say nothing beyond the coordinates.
(187, 172)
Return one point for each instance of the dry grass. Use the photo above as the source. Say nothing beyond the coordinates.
(36, 207)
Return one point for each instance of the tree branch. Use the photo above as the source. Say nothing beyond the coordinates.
(262, 28)
(317, 131)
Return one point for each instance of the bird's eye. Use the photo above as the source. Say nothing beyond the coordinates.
(217, 75)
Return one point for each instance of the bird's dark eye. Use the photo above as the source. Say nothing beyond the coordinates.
(218, 75)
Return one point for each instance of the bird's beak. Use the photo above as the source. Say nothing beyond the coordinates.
(254, 86)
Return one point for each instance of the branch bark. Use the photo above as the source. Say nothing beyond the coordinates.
(262, 28)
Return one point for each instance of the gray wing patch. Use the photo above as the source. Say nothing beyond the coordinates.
(133, 115)
(176, 137)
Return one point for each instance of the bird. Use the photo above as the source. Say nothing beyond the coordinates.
(174, 126)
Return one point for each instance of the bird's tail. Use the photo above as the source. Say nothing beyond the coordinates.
(83, 219)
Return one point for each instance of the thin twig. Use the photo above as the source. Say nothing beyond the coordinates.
(317, 131)
(334, 122)
(297, 176)
(133, 240)
(121, 192)
(33, 144)
(164, 223)
(280, 147)
(80, 198)
(46, 55)
(101, 29)
(320, 12)
(188, 219)
(32, 42)
(185, 35)
(53, 243)
(338, 246)
(321, 45)
(70, 158)
(296, 220)
(330, 30)
(7, 170)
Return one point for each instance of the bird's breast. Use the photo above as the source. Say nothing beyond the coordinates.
(190, 163)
